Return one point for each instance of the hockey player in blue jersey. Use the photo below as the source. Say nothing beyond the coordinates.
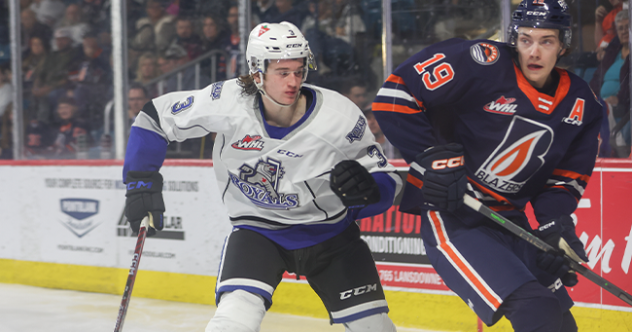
(296, 165)
(502, 123)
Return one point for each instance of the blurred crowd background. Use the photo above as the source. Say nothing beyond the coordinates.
(66, 53)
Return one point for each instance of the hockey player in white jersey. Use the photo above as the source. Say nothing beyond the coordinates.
(296, 166)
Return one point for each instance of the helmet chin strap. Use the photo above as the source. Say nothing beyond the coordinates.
(263, 92)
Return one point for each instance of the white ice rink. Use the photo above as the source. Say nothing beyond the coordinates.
(35, 309)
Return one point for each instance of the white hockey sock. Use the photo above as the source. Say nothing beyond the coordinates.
(238, 311)
(374, 323)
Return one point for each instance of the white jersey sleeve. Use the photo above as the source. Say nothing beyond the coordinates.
(189, 114)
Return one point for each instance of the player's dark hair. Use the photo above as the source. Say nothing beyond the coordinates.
(247, 84)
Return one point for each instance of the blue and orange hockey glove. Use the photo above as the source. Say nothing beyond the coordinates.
(444, 179)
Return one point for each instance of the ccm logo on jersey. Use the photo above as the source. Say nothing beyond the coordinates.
(448, 163)
(249, 143)
(358, 291)
(502, 106)
(577, 113)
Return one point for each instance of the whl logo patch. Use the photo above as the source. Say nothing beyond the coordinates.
(79, 213)
(502, 106)
(249, 143)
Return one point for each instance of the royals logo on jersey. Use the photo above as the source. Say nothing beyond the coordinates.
(249, 143)
(518, 157)
(260, 185)
(358, 130)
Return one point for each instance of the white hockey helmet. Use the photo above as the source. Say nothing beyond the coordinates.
(277, 41)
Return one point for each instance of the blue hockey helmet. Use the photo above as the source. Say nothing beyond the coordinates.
(543, 14)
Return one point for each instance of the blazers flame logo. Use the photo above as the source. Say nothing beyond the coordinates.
(518, 157)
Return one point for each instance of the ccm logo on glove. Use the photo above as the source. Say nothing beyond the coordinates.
(139, 185)
(448, 163)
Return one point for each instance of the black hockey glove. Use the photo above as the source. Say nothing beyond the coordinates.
(445, 181)
(560, 233)
(355, 186)
(144, 196)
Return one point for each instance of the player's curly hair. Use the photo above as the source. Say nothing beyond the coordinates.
(247, 84)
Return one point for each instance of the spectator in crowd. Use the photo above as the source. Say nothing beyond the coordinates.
(173, 58)
(137, 97)
(97, 12)
(215, 7)
(233, 49)
(6, 90)
(38, 50)
(32, 28)
(52, 80)
(187, 38)
(39, 140)
(92, 78)
(334, 55)
(605, 29)
(347, 20)
(6, 133)
(320, 17)
(355, 90)
(72, 135)
(156, 31)
(289, 12)
(390, 151)
(72, 21)
(23, 4)
(215, 36)
(48, 11)
(264, 10)
(173, 8)
(147, 68)
(611, 82)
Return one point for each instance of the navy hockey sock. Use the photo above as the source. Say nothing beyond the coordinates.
(533, 308)
(568, 323)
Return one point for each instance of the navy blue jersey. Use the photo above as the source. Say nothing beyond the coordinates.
(520, 145)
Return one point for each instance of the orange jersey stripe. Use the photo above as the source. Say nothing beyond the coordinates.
(395, 79)
(386, 107)
(571, 174)
(489, 192)
(414, 181)
(419, 103)
(534, 95)
(457, 260)
(501, 208)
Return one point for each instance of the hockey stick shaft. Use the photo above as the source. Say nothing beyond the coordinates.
(540, 244)
(131, 277)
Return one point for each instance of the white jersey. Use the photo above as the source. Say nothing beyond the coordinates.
(267, 182)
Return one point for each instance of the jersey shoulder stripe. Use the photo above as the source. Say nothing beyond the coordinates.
(394, 96)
